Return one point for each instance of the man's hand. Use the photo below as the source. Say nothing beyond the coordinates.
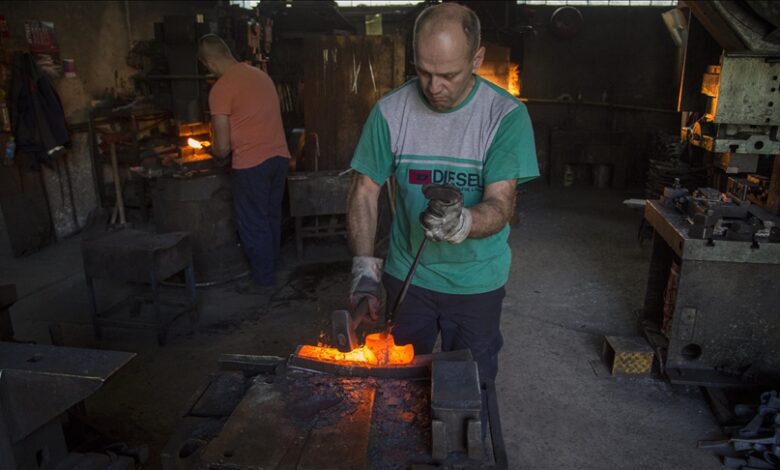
(445, 218)
(366, 275)
(220, 126)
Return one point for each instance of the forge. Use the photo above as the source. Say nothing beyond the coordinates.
(316, 410)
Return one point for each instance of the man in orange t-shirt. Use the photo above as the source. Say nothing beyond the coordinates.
(247, 126)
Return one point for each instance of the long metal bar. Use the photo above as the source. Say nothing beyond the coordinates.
(629, 107)
(391, 314)
(120, 203)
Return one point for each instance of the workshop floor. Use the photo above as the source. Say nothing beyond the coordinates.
(578, 274)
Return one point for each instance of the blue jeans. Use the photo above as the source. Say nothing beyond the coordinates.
(465, 322)
(257, 201)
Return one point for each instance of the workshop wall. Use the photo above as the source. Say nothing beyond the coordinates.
(598, 96)
(97, 35)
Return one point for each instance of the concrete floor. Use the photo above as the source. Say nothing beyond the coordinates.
(578, 274)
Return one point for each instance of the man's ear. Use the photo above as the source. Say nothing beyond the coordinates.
(479, 57)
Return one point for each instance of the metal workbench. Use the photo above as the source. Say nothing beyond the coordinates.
(725, 327)
(38, 384)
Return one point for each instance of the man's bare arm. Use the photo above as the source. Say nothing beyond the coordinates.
(493, 213)
(221, 125)
(362, 214)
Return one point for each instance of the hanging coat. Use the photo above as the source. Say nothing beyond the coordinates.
(36, 112)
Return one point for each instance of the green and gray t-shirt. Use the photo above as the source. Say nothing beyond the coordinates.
(486, 139)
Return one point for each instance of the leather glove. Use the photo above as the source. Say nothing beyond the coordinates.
(445, 218)
(366, 275)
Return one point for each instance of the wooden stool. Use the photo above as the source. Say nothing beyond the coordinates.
(142, 257)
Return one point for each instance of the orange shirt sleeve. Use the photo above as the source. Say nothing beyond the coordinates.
(220, 100)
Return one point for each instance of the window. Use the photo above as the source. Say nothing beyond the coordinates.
(602, 3)
(248, 4)
(342, 3)
(374, 3)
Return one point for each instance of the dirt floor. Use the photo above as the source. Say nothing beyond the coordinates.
(578, 274)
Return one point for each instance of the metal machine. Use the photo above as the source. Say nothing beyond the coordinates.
(739, 113)
(712, 301)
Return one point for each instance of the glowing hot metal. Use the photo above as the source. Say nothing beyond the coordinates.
(379, 350)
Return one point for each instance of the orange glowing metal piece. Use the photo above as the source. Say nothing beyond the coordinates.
(194, 143)
(379, 350)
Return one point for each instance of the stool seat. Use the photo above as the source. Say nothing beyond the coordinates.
(130, 255)
(140, 257)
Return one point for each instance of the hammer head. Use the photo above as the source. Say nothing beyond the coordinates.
(343, 331)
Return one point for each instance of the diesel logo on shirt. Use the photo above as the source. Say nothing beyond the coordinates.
(465, 181)
(420, 177)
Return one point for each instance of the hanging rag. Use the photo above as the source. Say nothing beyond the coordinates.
(36, 113)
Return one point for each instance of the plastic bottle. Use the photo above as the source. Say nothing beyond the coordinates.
(10, 151)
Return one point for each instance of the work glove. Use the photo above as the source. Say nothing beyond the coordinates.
(366, 273)
(445, 218)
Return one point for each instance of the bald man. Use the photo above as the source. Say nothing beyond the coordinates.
(247, 126)
(447, 126)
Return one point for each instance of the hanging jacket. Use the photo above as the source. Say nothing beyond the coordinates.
(36, 112)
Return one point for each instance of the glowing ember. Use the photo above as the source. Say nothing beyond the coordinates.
(379, 350)
(196, 144)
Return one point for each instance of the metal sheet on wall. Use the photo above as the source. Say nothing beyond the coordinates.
(344, 77)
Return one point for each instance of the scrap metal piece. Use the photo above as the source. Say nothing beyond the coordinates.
(733, 462)
(249, 364)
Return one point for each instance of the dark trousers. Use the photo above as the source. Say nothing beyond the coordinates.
(464, 321)
(257, 201)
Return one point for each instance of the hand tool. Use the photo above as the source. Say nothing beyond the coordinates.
(345, 325)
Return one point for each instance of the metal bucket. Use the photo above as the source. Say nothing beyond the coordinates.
(202, 206)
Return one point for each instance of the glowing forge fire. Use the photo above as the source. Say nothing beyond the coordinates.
(379, 350)
(513, 81)
(196, 144)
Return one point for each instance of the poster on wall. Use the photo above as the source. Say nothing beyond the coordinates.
(43, 46)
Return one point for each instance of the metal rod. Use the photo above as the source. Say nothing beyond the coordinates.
(391, 315)
(596, 103)
(120, 203)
